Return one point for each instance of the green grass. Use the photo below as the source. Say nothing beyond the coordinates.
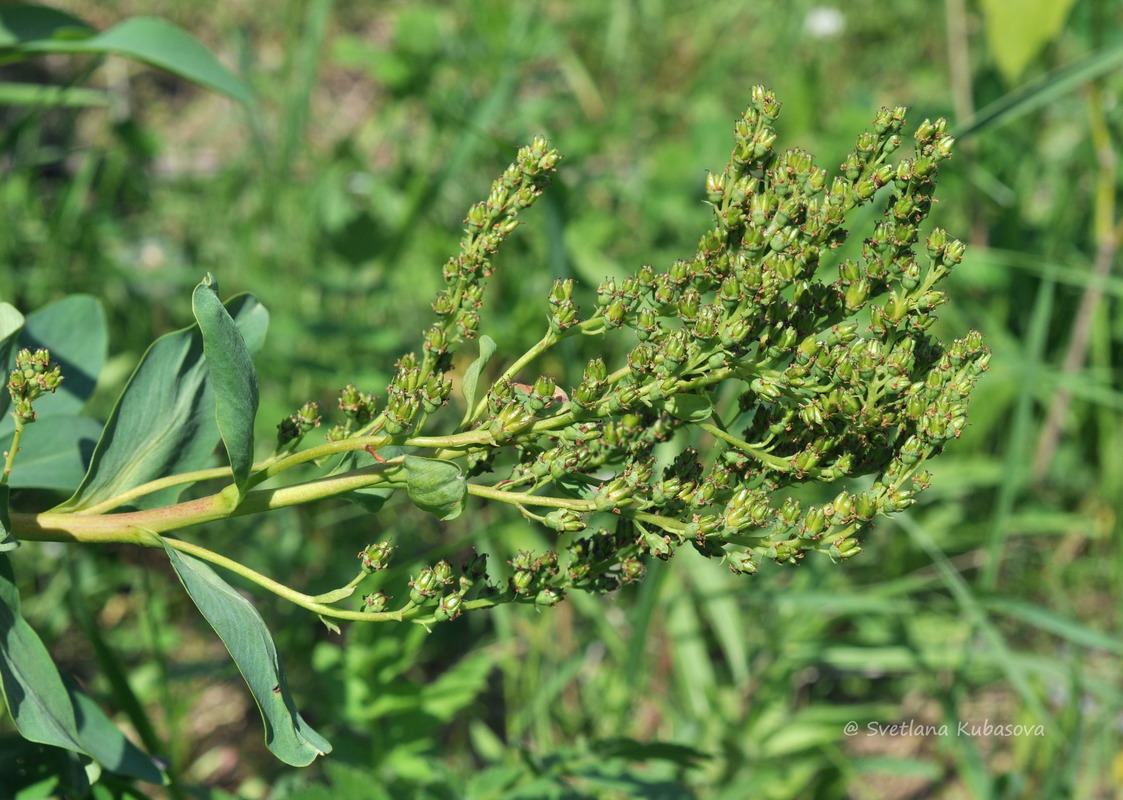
(997, 598)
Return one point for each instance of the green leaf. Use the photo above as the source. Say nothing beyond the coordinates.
(164, 421)
(1018, 29)
(472, 377)
(245, 635)
(1043, 91)
(157, 43)
(690, 407)
(7, 541)
(436, 486)
(54, 452)
(44, 708)
(233, 376)
(11, 323)
(21, 23)
(75, 331)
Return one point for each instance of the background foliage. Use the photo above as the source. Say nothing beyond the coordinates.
(338, 199)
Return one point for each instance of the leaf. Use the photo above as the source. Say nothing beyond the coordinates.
(54, 452)
(690, 407)
(1044, 90)
(436, 486)
(44, 708)
(154, 42)
(11, 323)
(246, 637)
(7, 541)
(1018, 29)
(472, 376)
(164, 421)
(75, 331)
(233, 377)
(21, 23)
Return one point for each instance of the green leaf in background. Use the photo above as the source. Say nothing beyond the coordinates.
(436, 486)
(245, 635)
(74, 330)
(54, 452)
(21, 23)
(7, 541)
(690, 407)
(232, 375)
(1043, 91)
(164, 421)
(1018, 29)
(44, 707)
(472, 376)
(11, 323)
(146, 39)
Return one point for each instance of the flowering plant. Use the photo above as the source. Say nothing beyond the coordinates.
(756, 366)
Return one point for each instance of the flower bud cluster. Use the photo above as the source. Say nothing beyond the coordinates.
(822, 396)
(488, 224)
(34, 374)
(293, 427)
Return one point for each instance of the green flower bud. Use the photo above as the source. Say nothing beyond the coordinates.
(424, 587)
(845, 548)
(521, 582)
(376, 556)
(375, 603)
(632, 570)
(449, 608)
(741, 563)
(548, 597)
(564, 519)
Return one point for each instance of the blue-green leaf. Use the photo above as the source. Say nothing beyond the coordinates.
(164, 421)
(75, 331)
(44, 707)
(245, 635)
(11, 323)
(436, 486)
(7, 541)
(54, 453)
(472, 376)
(232, 374)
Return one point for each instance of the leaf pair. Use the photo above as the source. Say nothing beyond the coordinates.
(191, 388)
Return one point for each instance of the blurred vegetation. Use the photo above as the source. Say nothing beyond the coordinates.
(337, 201)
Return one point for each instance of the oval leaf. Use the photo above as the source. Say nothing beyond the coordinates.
(436, 486)
(233, 377)
(245, 635)
(164, 421)
(690, 407)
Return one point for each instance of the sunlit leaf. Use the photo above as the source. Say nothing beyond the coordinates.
(246, 637)
(232, 376)
(164, 421)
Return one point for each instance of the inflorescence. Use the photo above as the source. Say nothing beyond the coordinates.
(758, 367)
